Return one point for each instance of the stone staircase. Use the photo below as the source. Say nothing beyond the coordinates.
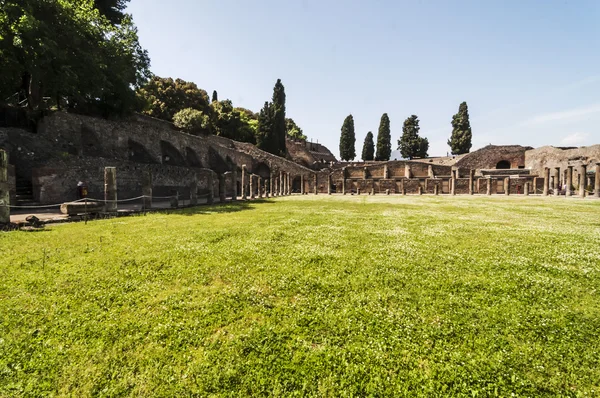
(24, 192)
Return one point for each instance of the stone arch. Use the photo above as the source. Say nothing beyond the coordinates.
(90, 143)
(503, 164)
(138, 153)
(170, 154)
(263, 170)
(192, 158)
(297, 184)
(216, 161)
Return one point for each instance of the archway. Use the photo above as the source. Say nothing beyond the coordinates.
(503, 164)
(171, 155)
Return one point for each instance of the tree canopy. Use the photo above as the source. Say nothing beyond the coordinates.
(77, 53)
(384, 139)
(348, 140)
(368, 148)
(460, 140)
(410, 144)
(279, 129)
(293, 131)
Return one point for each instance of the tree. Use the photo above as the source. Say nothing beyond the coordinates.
(368, 147)
(278, 129)
(460, 140)
(215, 98)
(293, 130)
(192, 121)
(164, 97)
(67, 52)
(384, 139)
(112, 9)
(347, 140)
(410, 144)
(264, 130)
(235, 123)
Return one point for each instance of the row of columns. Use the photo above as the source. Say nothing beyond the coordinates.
(568, 181)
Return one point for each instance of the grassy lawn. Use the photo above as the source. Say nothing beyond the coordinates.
(309, 296)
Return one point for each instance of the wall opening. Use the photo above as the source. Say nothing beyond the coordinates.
(192, 158)
(216, 161)
(90, 143)
(171, 155)
(138, 153)
(503, 164)
(262, 170)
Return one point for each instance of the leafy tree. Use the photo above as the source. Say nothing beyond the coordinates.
(67, 51)
(348, 139)
(368, 147)
(278, 129)
(233, 123)
(112, 9)
(410, 144)
(192, 121)
(293, 130)
(215, 98)
(264, 131)
(384, 139)
(164, 97)
(460, 140)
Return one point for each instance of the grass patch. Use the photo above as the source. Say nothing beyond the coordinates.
(309, 296)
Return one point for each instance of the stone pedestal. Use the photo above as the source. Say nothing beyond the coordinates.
(222, 188)
(569, 190)
(546, 181)
(4, 191)
(597, 181)
(244, 182)
(110, 189)
(147, 190)
(556, 180)
(582, 180)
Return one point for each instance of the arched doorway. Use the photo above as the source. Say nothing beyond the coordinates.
(503, 164)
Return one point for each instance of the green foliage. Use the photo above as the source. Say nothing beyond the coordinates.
(112, 9)
(235, 123)
(410, 144)
(384, 139)
(368, 147)
(67, 51)
(265, 139)
(278, 130)
(348, 140)
(293, 130)
(192, 121)
(334, 296)
(460, 140)
(164, 97)
(215, 97)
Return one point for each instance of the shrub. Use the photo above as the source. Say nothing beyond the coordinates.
(192, 121)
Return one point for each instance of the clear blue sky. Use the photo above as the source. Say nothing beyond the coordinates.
(529, 70)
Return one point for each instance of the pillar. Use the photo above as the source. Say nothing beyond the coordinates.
(251, 182)
(222, 188)
(357, 191)
(453, 186)
(328, 184)
(4, 191)
(436, 189)
(526, 188)
(260, 187)
(194, 190)
(365, 172)
(272, 184)
(506, 186)
(316, 186)
(582, 180)
(407, 172)
(471, 178)
(556, 180)
(569, 191)
(301, 184)
(243, 182)
(597, 181)
(110, 189)
(488, 190)
(289, 184)
(420, 190)
(281, 190)
(147, 190)
(211, 188)
(386, 173)
(534, 188)
(430, 171)
(546, 180)
(343, 180)
(234, 178)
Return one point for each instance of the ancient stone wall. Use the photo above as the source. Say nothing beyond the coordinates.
(489, 157)
(12, 184)
(552, 157)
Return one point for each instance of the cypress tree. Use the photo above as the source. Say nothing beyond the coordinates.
(215, 98)
(279, 125)
(410, 144)
(460, 140)
(368, 147)
(384, 139)
(264, 130)
(347, 139)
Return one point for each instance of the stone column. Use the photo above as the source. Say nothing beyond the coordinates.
(386, 173)
(260, 186)
(430, 171)
(194, 191)
(420, 190)
(4, 191)
(569, 191)
(546, 180)
(301, 184)
(436, 189)
(597, 181)
(147, 190)
(316, 186)
(534, 188)
(556, 180)
(455, 172)
(365, 172)
(110, 189)
(244, 182)
(281, 190)
(222, 188)
(343, 180)
(211, 188)
(452, 186)
(478, 185)
(526, 188)
(328, 184)
(251, 182)
(506, 186)
(234, 179)
(471, 177)
(272, 184)
(289, 184)
(407, 172)
(582, 180)
(488, 190)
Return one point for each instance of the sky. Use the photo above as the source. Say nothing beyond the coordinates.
(528, 70)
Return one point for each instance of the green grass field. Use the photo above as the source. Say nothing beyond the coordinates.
(309, 296)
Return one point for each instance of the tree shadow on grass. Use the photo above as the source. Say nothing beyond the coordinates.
(228, 207)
